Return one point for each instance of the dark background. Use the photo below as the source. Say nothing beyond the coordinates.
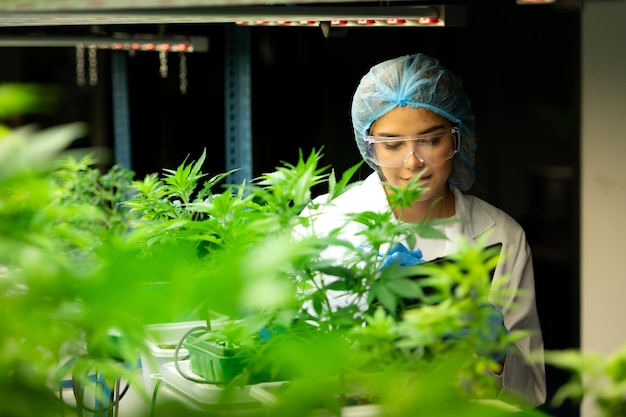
(520, 66)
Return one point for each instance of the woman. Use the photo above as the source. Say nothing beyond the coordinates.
(412, 122)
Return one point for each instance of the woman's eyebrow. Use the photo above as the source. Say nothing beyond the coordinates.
(424, 132)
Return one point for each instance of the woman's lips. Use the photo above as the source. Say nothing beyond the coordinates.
(422, 179)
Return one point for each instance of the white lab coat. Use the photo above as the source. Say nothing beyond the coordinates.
(520, 376)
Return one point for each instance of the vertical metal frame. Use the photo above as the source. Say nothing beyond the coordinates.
(121, 109)
(238, 130)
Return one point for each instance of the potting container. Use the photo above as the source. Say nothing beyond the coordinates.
(214, 361)
(267, 394)
(204, 396)
(162, 341)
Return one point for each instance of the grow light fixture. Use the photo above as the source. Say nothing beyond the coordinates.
(125, 42)
(406, 16)
(363, 22)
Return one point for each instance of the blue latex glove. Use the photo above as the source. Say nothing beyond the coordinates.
(266, 333)
(400, 254)
(494, 329)
(488, 335)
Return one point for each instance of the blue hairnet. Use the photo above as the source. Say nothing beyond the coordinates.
(416, 81)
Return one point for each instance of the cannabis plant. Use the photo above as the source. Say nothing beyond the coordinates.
(90, 257)
(254, 271)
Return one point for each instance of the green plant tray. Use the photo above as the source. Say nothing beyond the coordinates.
(213, 362)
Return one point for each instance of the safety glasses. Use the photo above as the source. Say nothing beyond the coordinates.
(429, 148)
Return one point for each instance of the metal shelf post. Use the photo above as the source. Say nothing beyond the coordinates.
(121, 109)
(238, 129)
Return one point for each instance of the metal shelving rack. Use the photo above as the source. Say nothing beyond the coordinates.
(238, 141)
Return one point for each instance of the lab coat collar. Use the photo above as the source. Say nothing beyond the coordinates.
(477, 219)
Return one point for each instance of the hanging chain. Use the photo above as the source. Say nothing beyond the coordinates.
(93, 65)
(182, 72)
(80, 64)
(92, 61)
(163, 63)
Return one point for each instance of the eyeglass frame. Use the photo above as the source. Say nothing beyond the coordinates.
(370, 140)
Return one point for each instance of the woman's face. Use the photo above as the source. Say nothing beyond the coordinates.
(408, 121)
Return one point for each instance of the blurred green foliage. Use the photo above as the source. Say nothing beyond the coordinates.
(598, 378)
(88, 258)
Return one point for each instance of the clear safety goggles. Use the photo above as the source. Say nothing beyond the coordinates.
(429, 148)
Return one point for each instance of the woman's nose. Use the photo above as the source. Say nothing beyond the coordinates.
(413, 161)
